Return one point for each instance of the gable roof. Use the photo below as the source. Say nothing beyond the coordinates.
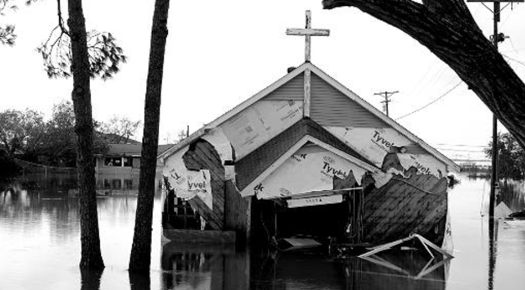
(208, 127)
(451, 164)
(124, 149)
(259, 160)
(332, 108)
(307, 139)
(331, 81)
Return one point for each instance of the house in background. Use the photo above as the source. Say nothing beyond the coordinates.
(122, 158)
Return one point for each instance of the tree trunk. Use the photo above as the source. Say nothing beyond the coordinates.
(448, 30)
(141, 250)
(90, 279)
(89, 235)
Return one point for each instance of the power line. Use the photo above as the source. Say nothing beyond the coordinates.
(461, 150)
(419, 84)
(513, 50)
(461, 145)
(512, 44)
(439, 98)
(514, 60)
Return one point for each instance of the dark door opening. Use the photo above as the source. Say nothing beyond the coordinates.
(320, 221)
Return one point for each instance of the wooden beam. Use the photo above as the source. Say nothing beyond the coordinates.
(310, 32)
(307, 32)
(200, 237)
(307, 93)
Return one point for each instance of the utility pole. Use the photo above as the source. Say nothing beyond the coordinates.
(495, 39)
(494, 179)
(387, 96)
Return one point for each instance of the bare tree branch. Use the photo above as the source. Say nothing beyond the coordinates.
(448, 30)
(105, 56)
(60, 19)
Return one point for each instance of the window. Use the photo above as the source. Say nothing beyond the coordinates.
(113, 161)
(118, 161)
(112, 184)
(127, 161)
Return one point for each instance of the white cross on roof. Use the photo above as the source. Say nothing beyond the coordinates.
(307, 32)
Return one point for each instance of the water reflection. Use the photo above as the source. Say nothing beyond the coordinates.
(48, 184)
(117, 183)
(58, 184)
(493, 238)
(28, 209)
(139, 281)
(189, 266)
(218, 268)
(398, 271)
(511, 192)
(90, 279)
(40, 235)
(40, 249)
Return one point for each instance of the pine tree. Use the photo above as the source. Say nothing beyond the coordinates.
(140, 259)
(91, 256)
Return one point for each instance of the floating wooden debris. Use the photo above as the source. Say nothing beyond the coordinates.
(502, 211)
(295, 244)
(424, 242)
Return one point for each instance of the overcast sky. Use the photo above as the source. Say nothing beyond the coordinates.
(220, 53)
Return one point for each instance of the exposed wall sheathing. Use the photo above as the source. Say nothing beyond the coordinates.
(237, 212)
(404, 206)
(202, 155)
(311, 168)
(259, 123)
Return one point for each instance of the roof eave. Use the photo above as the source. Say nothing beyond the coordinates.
(451, 165)
(206, 128)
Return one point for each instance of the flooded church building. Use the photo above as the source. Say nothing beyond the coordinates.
(305, 157)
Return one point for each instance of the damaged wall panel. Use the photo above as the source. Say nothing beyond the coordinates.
(259, 123)
(378, 143)
(202, 155)
(312, 168)
(237, 212)
(404, 206)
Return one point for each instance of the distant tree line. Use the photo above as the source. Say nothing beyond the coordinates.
(511, 157)
(474, 170)
(27, 136)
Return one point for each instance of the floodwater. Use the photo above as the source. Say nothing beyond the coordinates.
(40, 249)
